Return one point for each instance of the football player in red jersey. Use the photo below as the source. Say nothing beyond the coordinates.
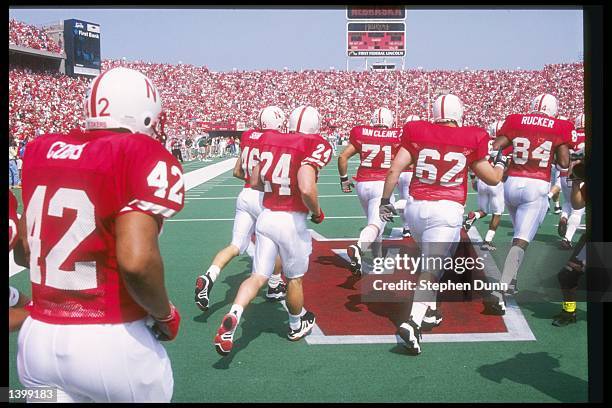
(17, 300)
(287, 170)
(403, 186)
(570, 217)
(94, 203)
(490, 198)
(248, 208)
(376, 145)
(536, 138)
(442, 153)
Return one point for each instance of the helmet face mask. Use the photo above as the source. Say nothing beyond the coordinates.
(448, 108)
(123, 98)
(382, 117)
(546, 104)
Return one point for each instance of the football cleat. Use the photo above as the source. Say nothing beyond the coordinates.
(224, 340)
(354, 254)
(277, 293)
(488, 246)
(202, 292)
(565, 244)
(512, 288)
(494, 306)
(469, 220)
(564, 318)
(307, 322)
(410, 333)
(557, 209)
(406, 233)
(562, 227)
(432, 319)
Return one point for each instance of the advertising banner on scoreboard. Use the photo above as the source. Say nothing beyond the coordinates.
(376, 12)
(376, 39)
(82, 46)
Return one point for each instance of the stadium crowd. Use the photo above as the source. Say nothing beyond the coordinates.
(30, 36)
(41, 102)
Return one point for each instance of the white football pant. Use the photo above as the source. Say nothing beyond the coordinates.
(248, 207)
(282, 233)
(527, 203)
(370, 193)
(490, 198)
(95, 362)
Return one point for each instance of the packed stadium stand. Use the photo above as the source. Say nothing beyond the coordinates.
(193, 97)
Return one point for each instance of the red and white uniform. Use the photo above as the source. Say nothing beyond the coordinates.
(491, 198)
(249, 201)
(281, 227)
(75, 187)
(442, 156)
(534, 138)
(377, 148)
(578, 143)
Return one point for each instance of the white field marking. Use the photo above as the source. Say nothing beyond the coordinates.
(516, 325)
(231, 219)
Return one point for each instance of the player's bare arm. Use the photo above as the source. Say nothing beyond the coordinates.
(562, 157)
(343, 159)
(307, 183)
(256, 181)
(402, 160)
(490, 175)
(238, 170)
(22, 249)
(501, 142)
(140, 262)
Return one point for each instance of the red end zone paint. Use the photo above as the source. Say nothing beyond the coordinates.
(339, 308)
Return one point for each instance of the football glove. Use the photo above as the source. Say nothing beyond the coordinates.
(319, 219)
(346, 184)
(386, 210)
(167, 328)
(500, 159)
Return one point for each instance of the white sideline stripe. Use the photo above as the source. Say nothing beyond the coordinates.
(192, 179)
(196, 177)
(516, 325)
(231, 219)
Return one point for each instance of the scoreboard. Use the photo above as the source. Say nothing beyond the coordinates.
(82, 46)
(376, 39)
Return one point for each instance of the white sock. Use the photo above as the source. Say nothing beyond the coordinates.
(549, 195)
(557, 203)
(367, 236)
(303, 312)
(572, 224)
(274, 280)
(294, 321)
(512, 264)
(213, 272)
(489, 236)
(237, 311)
(418, 312)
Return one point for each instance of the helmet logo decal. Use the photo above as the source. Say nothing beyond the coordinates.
(103, 111)
(150, 90)
(94, 91)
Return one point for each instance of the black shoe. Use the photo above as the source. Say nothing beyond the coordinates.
(557, 210)
(410, 333)
(354, 254)
(277, 293)
(562, 227)
(512, 288)
(432, 319)
(406, 233)
(307, 322)
(469, 220)
(488, 246)
(564, 318)
(565, 244)
(494, 306)
(202, 292)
